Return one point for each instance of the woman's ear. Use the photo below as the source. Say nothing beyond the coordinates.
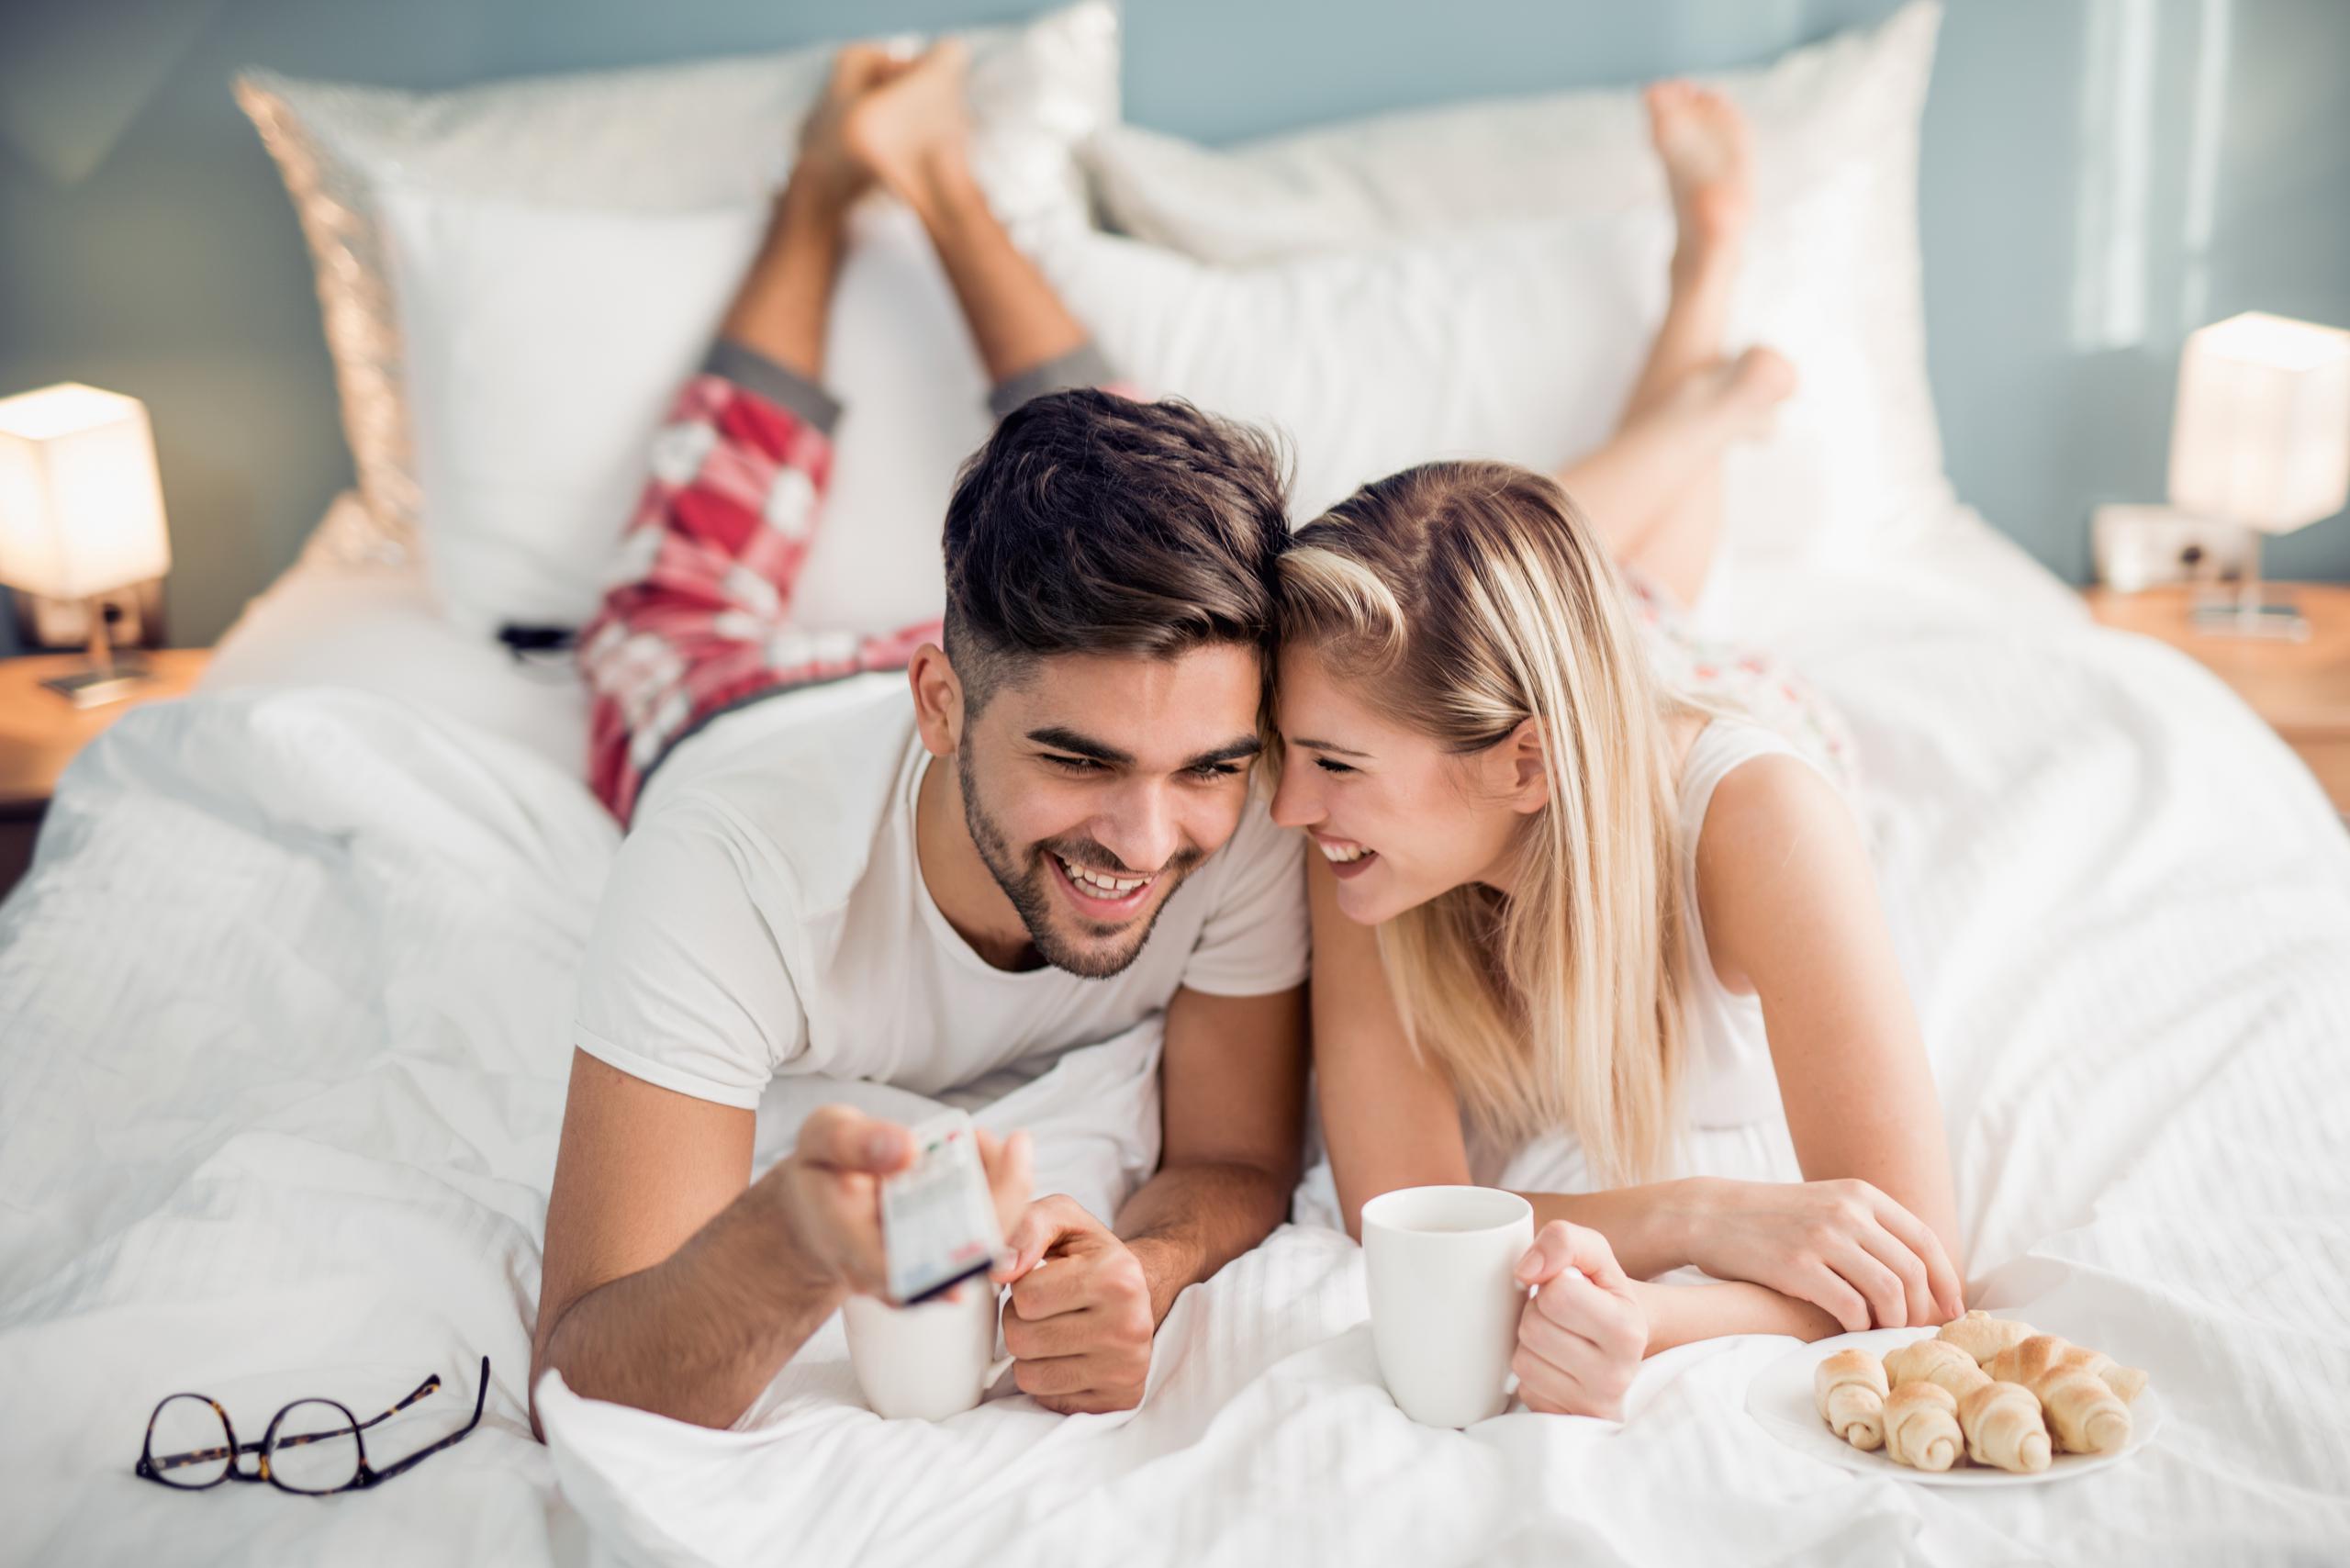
(938, 699)
(1529, 783)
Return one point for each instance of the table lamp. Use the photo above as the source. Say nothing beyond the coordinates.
(2262, 440)
(80, 514)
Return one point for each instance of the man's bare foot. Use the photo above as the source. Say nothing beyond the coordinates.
(1703, 142)
(1745, 392)
(825, 163)
(912, 130)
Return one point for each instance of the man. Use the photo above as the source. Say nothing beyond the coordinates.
(1038, 838)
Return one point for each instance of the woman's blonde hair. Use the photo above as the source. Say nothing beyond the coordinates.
(1467, 598)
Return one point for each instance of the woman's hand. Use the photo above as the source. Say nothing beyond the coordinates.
(1842, 1245)
(1581, 1335)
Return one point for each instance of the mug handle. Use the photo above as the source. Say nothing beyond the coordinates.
(1509, 1383)
(1002, 1363)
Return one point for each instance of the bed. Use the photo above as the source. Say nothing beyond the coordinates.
(286, 993)
(285, 998)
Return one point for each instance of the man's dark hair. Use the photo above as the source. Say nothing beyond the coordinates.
(1091, 523)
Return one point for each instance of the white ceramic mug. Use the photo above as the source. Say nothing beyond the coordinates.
(925, 1363)
(1445, 1298)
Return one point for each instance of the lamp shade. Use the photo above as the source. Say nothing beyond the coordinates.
(2262, 435)
(80, 510)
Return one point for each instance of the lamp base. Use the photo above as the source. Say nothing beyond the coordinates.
(2268, 621)
(95, 685)
(2248, 611)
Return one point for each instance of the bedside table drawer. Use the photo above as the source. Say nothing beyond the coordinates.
(18, 833)
(2329, 758)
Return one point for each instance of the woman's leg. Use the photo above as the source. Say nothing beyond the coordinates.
(1655, 490)
(1702, 141)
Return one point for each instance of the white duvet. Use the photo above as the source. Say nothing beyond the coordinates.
(283, 1039)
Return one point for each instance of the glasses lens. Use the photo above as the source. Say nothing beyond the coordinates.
(315, 1448)
(189, 1444)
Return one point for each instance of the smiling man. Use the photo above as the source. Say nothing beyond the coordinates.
(938, 860)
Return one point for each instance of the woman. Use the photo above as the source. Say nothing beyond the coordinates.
(1556, 897)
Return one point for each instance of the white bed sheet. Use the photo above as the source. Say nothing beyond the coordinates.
(283, 1019)
(333, 620)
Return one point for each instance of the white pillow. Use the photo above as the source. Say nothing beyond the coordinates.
(1513, 343)
(1831, 280)
(516, 276)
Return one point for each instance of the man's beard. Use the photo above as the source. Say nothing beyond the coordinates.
(1032, 899)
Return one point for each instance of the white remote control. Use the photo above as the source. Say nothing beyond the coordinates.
(938, 1224)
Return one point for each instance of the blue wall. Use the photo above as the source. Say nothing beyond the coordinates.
(2099, 176)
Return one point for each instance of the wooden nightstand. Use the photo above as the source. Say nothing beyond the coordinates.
(2302, 688)
(41, 731)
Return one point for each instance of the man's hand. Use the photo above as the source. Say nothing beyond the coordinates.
(1080, 1322)
(1581, 1339)
(829, 1192)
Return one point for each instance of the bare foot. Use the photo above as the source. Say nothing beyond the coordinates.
(825, 159)
(1745, 391)
(913, 129)
(1703, 142)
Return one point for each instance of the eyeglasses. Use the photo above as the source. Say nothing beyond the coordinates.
(312, 1445)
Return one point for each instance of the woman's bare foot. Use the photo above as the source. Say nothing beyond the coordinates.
(1744, 393)
(825, 164)
(912, 130)
(1702, 139)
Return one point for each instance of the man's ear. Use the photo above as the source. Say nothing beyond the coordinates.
(938, 699)
(1527, 770)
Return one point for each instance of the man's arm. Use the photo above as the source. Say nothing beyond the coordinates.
(1233, 1080)
(672, 1286)
(669, 1283)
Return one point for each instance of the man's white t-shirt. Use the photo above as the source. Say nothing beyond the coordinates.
(766, 915)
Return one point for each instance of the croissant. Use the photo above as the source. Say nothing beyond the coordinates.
(1922, 1426)
(1938, 1362)
(1849, 1388)
(1982, 1336)
(2126, 1383)
(2003, 1428)
(2086, 1415)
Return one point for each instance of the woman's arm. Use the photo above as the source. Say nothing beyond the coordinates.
(1390, 1119)
(1682, 1315)
(1789, 898)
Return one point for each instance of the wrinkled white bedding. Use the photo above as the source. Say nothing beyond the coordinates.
(283, 1013)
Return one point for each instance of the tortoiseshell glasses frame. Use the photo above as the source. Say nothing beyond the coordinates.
(157, 1469)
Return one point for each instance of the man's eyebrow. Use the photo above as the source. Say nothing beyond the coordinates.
(1329, 746)
(1059, 738)
(1068, 740)
(1236, 750)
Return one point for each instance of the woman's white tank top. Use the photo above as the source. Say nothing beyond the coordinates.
(1728, 1080)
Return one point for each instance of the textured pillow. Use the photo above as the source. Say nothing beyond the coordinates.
(515, 276)
(1514, 341)
(1831, 278)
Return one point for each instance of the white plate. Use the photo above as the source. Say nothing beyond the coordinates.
(1781, 1399)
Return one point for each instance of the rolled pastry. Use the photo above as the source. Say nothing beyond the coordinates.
(2086, 1415)
(1922, 1426)
(1937, 1361)
(1982, 1336)
(1849, 1388)
(2125, 1380)
(2003, 1428)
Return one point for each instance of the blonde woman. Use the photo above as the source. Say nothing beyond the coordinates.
(1568, 921)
